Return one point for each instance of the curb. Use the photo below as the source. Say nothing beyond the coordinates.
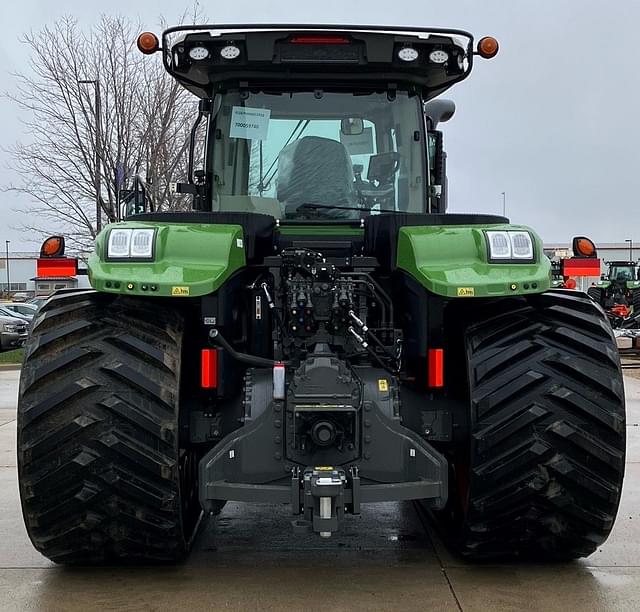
(10, 366)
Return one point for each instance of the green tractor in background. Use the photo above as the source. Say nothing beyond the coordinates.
(619, 287)
(318, 331)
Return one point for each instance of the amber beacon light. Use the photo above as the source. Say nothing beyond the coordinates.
(148, 43)
(584, 247)
(488, 47)
(52, 247)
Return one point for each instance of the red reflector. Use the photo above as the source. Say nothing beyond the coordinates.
(319, 40)
(581, 267)
(209, 369)
(57, 266)
(436, 367)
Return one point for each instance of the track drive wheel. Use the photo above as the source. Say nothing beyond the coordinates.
(103, 478)
(542, 474)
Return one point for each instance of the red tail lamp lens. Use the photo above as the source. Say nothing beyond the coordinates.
(488, 47)
(148, 43)
(436, 368)
(209, 369)
(570, 283)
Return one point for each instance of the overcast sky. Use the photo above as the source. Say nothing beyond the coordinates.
(553, 120)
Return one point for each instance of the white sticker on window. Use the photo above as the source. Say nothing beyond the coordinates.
(250, 123)
(358, 144)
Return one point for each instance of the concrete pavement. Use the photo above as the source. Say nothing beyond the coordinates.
(248, 559)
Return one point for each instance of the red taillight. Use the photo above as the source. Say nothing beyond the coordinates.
(319, 40)
(436, 367)
(209, 369)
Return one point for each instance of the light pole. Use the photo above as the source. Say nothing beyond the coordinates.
(6, 245)
(98, 127)
(630, 241)
(504, 203)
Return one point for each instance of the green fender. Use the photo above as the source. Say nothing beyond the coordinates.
(452, 261)
(190, 260)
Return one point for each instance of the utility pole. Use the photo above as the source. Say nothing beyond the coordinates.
(6, 245)
(630, 241)
(504, 203)
(97, 105)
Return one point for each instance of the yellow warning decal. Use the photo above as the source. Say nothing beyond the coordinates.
(323, 468)
(179, 290)
(466, 292)
(383, 384)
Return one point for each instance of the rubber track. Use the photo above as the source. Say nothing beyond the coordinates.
(97, 431)
(596, 294)
(635, 301)
(548, 431)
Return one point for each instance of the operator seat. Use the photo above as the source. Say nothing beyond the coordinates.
(316, 170)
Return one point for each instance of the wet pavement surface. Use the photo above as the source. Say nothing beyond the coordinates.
(386, 559)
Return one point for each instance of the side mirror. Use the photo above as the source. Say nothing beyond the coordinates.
(439, 111)
(352, 126)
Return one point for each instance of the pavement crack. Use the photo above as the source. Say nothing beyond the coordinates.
(422, 517)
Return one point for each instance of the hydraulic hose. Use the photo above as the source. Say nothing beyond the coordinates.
(261, 362)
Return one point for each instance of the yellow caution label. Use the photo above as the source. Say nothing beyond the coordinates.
(323, 468)
(179, 290)
(466, 292)
(383, 384)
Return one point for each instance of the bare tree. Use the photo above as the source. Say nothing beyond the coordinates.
(144, 125)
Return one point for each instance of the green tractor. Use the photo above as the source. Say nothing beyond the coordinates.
(620, 286)
(318, 331)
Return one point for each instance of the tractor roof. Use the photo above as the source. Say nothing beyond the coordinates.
(211, 58)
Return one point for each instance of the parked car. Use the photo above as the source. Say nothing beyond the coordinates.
(37, 301)
(26, 310)
(5, 312)
(13, 332)
(20, 297)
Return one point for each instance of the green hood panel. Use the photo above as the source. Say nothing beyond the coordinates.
(452, 261)
(190, 260)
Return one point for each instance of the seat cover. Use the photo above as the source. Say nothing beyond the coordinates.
(315, 170)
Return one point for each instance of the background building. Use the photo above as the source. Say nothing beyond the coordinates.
(607, 251)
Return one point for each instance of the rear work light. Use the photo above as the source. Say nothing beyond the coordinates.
(510, 246)
(128, 243)
(408, 54)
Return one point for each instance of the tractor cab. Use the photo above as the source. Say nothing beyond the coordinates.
(622, 271)
(312, 123)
